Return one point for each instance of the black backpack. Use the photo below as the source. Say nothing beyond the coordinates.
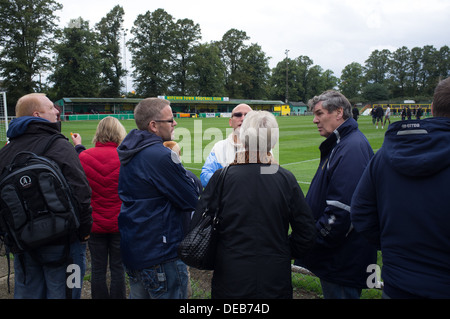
(36, 204)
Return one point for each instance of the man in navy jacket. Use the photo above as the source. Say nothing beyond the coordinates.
(156, 192)
(402, 204)
(340, 256)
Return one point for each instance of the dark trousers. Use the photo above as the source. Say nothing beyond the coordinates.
(103, 248)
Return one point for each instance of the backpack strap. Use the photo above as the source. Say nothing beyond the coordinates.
(40, 151)
(44, 147)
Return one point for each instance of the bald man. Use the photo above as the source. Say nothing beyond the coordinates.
(224, 152)
(36, 121)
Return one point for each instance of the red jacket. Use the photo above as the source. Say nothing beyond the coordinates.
(101, 164)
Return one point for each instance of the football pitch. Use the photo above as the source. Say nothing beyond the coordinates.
(297, 149)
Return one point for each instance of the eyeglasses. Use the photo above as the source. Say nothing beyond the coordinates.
(166, 121)
(238, 114)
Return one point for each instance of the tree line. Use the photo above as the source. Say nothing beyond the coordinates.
(168, 58)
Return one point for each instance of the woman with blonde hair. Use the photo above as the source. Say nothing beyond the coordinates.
(101, 165)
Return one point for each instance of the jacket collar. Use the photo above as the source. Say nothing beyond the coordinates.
(30, 124)
(338, 134)
(107, 144)
(134, 142)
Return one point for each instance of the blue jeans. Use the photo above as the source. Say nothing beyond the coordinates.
(32, 280)
(335, 291)
(164, 281)
(78, 254)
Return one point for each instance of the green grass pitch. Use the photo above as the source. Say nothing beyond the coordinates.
(297, 149)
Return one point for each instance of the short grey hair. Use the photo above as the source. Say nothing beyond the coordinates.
(259, 131)
(148, 110)
(441, 99)
(331, 101)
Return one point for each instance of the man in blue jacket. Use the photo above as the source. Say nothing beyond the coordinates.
(340, 256)
(156, 192)
(402, 204)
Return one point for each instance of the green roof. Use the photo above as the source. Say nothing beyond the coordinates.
(99, 100)
(136, 101)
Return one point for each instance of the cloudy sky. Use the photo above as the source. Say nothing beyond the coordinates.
(333, 33)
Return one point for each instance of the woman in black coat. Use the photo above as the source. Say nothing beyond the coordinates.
(260, 201)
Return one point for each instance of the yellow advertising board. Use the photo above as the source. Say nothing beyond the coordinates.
(283, 109)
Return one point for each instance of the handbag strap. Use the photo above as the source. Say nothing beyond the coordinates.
(219, 189)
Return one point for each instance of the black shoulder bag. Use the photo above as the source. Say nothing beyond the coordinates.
(198, 248)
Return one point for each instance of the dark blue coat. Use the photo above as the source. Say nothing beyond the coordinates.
(340, 255)
(156, 194)
(402, 204)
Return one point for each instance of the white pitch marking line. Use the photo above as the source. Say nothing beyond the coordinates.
(311, 160)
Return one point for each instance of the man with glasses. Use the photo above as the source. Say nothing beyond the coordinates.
(156, 192)
(224, 152)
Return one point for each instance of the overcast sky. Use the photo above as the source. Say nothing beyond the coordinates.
(333, 33)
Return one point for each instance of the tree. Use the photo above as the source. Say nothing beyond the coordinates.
(351, 80)
(26, 36)
(314, 84)
(186, 37)
(375, 92)
(399, 71)
(152, 52)
(319, 81)
(444, 62)
(329, 80)
(231, 47)
(277, 81)
(409, 73)
(304, 79)
(110, 31)
(377, 66)
(77, 62)
(301, 67)
(254, 72)
(415, 67)
(206, 73)
(429, 74)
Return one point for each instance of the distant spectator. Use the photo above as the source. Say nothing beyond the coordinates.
(387, 116)
(355, 113)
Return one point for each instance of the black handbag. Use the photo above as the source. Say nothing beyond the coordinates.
(198, 248)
